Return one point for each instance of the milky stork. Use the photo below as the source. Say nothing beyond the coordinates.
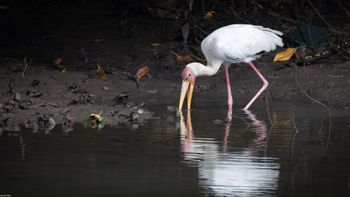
(226, 45)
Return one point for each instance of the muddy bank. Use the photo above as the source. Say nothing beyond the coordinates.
(122, 42)
(48, 91)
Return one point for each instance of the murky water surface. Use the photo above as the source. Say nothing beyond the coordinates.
(200, 154)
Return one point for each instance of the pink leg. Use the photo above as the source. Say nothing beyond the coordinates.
(228, 85)
(266, 83)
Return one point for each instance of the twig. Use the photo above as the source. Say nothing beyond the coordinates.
(318, 13)
(293, 120)
(316, 101)
(267, 104)
(270, 119)
(237, 16)
(295, 22)
(25, 66)
(241, 118)
(343, 7)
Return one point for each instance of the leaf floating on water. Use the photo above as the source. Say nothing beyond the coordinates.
(209, 15)
(142, 72)
(182, 59)
(101, 73)
(285, 55)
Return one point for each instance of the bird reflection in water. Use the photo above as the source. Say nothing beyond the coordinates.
(242, 172)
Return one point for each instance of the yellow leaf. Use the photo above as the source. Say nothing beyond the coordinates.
(182, 59)
(285, 55)
(142, 72)
(156, 44)
(209, 15)
(101, 73)
(96, 116)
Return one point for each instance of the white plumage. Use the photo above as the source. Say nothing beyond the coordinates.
(240, 43)
(231, 44)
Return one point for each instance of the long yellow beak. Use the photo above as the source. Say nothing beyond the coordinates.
(187, 86)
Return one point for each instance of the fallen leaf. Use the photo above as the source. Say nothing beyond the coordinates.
(98, 117)
(285, 55)
(96, 121)
(61, 68)
(142, 72)
(156, 44)
(57, 64)
(101, 73)
(57, 61)
(209, 15)
(182, 59)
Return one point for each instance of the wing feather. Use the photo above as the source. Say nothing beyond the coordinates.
(241, 42)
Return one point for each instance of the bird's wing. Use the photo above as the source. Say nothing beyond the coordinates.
(246, 42)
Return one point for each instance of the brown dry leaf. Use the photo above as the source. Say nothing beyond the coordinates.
(182, 59)
(101, 73)
(142, 72)
(209, 15)
(285, 55)
(57, 61)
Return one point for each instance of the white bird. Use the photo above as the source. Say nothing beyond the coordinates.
(230, 44)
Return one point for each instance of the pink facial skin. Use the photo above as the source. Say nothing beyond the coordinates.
(187, 74)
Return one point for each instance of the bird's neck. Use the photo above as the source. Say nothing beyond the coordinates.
(209, 70)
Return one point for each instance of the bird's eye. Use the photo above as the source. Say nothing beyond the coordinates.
(189, 74)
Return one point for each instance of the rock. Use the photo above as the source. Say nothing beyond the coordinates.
(72, 86)
(17, 96)
(126, 112)
(34, 93)
(105, 88)
(135, 117)
(121, 98)
(45, 123)
(85, 99)
(35, 82)
(25, 104)
(10, 124)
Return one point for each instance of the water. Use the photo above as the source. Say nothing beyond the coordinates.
(199, 155)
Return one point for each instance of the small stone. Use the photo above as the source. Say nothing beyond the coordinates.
(121, 98)
(135, 117)
(17, 96)
(35, 82)
(105, 88)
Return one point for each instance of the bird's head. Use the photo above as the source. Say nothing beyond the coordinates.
(188, 80)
